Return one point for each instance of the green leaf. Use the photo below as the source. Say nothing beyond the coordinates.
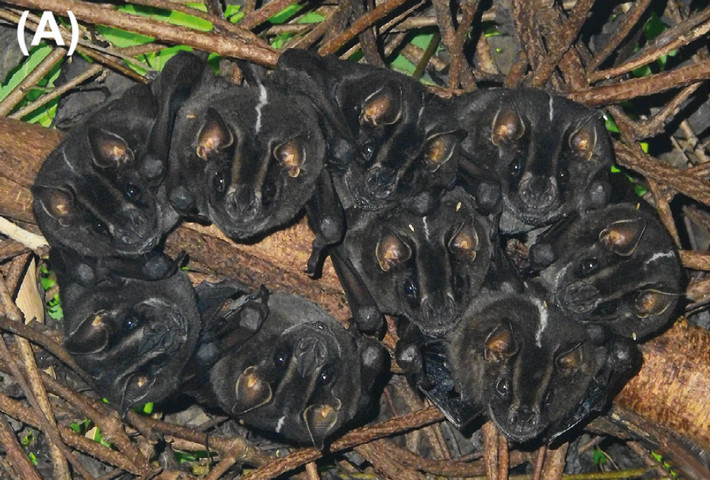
(599, 457)
(280, 40)
(311, 17)
(233, 13)
(36, 56)
(285, 14)
(121, 38)
(33, 458)
(27, 440)
(190, 21)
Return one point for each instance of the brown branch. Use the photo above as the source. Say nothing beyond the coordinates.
(19, 92)
(358, 26)
(349, 440)
(16, 453)
(565, 37)
(644, 86)
(631, 19)
(680, 35)
(106, 15)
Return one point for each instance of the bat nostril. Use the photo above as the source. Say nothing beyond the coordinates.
(523, 417)
(538, 192)
(244, 200)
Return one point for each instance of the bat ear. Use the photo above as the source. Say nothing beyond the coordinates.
(109, 150)
(653, 302)
(507, 125)
(251, 390)
(391, 251)
(500, 344)
(584, 139)
(213, 136)
(92, 335)
(291, 156)
(320, 420)
(623, 236)
(440, 148)
(569, 362)
(137, 388)
(384, 107)
(59, 204)
(465, 243)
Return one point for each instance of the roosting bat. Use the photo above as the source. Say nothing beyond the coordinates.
(551, 156)
(617, 267)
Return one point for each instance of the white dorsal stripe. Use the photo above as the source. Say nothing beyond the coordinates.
(263, 98)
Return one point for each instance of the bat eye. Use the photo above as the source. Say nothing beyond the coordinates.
(291, 156)
(219, 181)
(588, 266)
(281, 356)
(99, 227)
(133, 192)
(326, 375)
(410, 291)
(465, 244)
(367, 150)
(503, 387)
(562, 176)
(515, 168)
(131, 323)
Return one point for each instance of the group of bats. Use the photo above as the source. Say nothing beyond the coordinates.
(413, 196)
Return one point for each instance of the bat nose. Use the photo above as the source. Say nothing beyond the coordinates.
(524, 417)
(243, 200)
(438, 309)
(380, 182)
(538, 192)
(132, 225)
(310, 353)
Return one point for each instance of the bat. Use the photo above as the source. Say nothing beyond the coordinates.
(425, 268)
(616, 267)
(393, 142)
(301, 376)
(245, 158)
(133, 337)
(550, 156)
(536, 371)
(99, 192)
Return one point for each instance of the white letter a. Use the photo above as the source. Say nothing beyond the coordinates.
(47, 20)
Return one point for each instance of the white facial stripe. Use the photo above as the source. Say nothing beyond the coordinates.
(263, 98)
(279, 424)
(542, 309)
(552, 110)
(658, 256)
(426, 228)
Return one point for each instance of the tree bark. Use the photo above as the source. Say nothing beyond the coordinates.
(671, 389)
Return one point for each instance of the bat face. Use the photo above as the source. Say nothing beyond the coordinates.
(302, 376)
(538, 371)
(407, 148)
(91, 194)
(550, 155)
(249, 159)
(99, 193)
(427, 268)
(618, 267)
(133, 337)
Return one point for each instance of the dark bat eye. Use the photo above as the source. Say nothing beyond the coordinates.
(588, 266)
(133, 192)
(367, 150)
(219, 181)
(503, 387)
(326, 375)
(562, 176)
(281, 356)
(410, 290)
(131, 323)
(99, 227)
(515, 168)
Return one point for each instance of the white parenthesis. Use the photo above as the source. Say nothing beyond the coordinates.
(74, 32)
(21, 33)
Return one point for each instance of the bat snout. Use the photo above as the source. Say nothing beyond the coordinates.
(538, 192)
(580, 297)
(243, 202)
(380, 182)
(438, 311)
(311, 353)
